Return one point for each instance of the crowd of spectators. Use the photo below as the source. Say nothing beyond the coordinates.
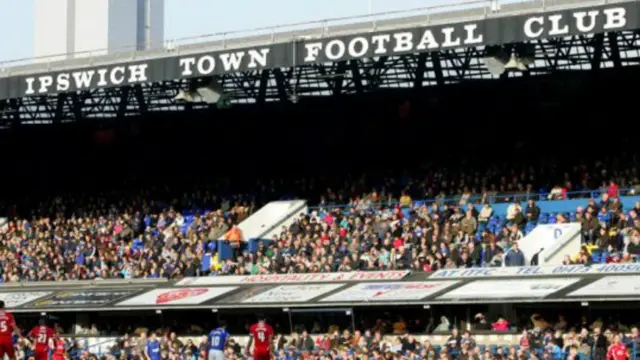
(151, 237)
(538, 340)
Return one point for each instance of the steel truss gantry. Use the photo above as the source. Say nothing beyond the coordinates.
(583, 53)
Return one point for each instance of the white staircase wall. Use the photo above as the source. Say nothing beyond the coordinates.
(555, 241)
(267, 222)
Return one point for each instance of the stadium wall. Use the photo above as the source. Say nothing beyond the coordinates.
(561, 206)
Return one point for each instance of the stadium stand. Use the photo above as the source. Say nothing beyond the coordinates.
(446, 177)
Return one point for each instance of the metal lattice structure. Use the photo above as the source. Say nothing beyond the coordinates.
(583, 53)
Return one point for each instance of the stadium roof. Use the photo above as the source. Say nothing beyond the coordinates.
(430, 16)
(284, 63)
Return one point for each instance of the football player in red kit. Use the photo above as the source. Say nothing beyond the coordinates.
(59, 349)
(41, 336)
(261, 336)
(617, 351)
(7, 329)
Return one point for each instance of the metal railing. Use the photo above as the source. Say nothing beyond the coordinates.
(225, 35)
(239, 38)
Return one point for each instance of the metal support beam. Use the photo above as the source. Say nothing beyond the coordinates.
(437, 68)
(60, 104)
(421, 60)
(140, 98)
(614, 50)
(124, 101)
(262, 90)
(77, 105)
(338, 78)
(355, 73)
(598, 45)
(280, 84)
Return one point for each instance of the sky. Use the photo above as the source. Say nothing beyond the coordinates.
(185, 18)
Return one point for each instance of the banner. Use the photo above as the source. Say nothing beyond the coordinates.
(292, 293)
(611, 286)
(16, 299)
(291, 52)
(293, 278)
(630, 268)
(79, 298)
(508, 289)
(389, 291)
(244, 294)
(184, 296)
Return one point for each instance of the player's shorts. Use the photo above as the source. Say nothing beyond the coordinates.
(216, 354)
(57, 357)
(6, 348)
(41, 355)
(262, 356)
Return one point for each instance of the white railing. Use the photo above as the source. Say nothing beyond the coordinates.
(285, 32)
(259, 31)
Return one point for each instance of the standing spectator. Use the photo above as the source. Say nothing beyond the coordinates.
(305, 342)
(613, 189)
(234, 237)
(533, 211)
(454, 341)
(634, 339)
(514, 257)
(469, 224)
(485, 213)
(589, 227)
(514, 213)
(598, 344)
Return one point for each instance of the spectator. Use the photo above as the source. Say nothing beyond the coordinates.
(454, 341)
(613, 189)
(533, 211)
(598, 344)
(305, 342)
(501, 325)
(514, 257)
(485, 213)
(514, 213)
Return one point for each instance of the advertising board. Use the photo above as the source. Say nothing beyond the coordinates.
(526, 271)
(292, 293)
(244, 294)
(293, 278)
(177, 296)
(508, 289)
(611, 286)
(16, 299)
(81, 298)
(389, 291)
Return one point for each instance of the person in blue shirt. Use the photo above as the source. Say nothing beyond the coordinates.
(217, 342)
(554, 350)
(153, 347)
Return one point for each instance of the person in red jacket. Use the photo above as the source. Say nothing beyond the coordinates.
(617, 351)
